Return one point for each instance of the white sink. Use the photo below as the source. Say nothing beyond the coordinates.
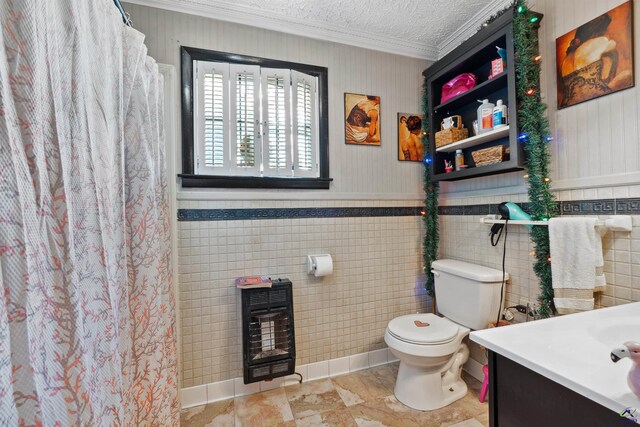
(615, 332)
(574, 350)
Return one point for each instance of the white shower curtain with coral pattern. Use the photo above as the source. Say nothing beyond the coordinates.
(87, 316)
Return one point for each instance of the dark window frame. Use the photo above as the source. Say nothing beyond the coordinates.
(190, 179)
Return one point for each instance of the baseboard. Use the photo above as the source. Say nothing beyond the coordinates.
(235, 387)
(474, 368)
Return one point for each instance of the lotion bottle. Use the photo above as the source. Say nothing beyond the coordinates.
(485, 117)
(499, 115)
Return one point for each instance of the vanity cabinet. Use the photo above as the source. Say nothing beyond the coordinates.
(520, 397)
(475, 56)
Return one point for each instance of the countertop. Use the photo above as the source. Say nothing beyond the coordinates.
(574, 350)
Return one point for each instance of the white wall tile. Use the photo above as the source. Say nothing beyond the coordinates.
(317, 370)
(220, 390)
(378, 357)
(339, 366)
(358, 362)
(270, 385)
(242, 389)
(193, 396)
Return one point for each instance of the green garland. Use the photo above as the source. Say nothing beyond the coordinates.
(431, 190)
(534, 128)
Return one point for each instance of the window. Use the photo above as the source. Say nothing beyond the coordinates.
(253, 122)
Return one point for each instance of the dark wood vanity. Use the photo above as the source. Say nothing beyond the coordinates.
(520, 397)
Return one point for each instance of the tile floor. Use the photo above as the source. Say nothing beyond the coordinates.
(363, 398)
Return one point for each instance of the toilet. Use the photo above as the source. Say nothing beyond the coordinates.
(430, 347)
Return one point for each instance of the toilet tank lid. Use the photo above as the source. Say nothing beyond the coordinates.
(469, 271)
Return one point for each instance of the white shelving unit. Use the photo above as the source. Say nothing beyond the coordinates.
(613, 223)
(475, 140)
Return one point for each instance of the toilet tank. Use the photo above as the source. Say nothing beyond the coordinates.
(466, 293)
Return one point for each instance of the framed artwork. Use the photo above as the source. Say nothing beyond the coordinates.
(410, 146)
(361, 119)
(596, 58)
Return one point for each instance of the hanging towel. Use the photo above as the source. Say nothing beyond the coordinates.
(576, 263)
(601, 281)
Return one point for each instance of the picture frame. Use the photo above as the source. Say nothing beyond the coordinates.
(410, 143)
(362, 119)
(596, 58)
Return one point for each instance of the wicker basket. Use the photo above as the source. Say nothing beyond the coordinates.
(489, 156)
(449, 136)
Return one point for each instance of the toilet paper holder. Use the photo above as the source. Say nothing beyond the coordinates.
(312, 264)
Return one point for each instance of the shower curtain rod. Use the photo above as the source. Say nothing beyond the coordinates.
(125, 17)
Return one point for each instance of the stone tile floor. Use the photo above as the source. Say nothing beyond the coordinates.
(363, 398)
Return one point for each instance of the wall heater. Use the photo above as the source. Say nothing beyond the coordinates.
(268, 339)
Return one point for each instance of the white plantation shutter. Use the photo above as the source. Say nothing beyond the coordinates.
(276, 119)
(253, 121)
(305, 125)
(211, 117)
(246, 145)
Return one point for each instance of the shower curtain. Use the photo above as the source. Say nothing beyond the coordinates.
(87, 317)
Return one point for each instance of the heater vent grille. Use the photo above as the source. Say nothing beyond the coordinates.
(268, 332)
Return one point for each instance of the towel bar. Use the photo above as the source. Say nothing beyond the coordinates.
(613, 223)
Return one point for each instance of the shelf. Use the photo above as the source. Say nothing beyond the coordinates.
(614, 222)
(502, 167)
(475, 93)
(512, 222)
(475, 140)
(475, 56)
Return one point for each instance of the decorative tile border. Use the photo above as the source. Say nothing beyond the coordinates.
(627, 206)
(580, 207)
(590, 207)
(292, 213)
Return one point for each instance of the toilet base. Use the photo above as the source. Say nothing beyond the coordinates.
(427, 389)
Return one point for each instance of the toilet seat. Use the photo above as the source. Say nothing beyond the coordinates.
(423, 329)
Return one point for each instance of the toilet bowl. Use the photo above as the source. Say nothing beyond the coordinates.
(430, 347)
(430, 360)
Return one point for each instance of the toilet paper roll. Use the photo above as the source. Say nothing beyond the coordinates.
(322, 265)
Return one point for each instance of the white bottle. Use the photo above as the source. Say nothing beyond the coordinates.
(499, 115)
(485, 117)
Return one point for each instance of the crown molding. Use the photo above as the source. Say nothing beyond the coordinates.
(317, 30)
(470, 27)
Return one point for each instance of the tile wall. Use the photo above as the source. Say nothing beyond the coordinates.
(377, 276)
(465, 238)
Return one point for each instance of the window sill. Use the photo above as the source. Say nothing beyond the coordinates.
(221, 181)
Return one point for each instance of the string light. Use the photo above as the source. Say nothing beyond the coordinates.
(427, 160)
(526, 176)
(548, 138)
(549, 259)
(521, 9)
(423, 213)
(532, 253)
(547, 180)
(537, 58)
(522, 136)
(530, 91)
(534, 19)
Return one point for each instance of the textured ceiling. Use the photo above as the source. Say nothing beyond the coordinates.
(402, 26)
(423, 21)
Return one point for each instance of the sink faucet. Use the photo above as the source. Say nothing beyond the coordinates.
(631, 350)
